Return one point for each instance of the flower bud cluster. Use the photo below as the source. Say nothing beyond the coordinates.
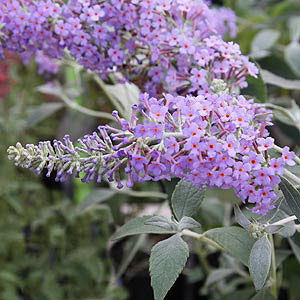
(210, 140)
(172, 45)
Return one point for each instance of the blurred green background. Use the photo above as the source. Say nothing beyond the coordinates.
(54, 241)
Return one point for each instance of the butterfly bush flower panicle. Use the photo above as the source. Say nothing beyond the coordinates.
(187, 137)
(135, 37)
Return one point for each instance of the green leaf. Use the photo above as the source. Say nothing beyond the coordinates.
(10, 277)
(291, 195)
(138, 226)
(294, 27)
(167, 260)
(281, 255)
(132, 247)
(217, 275)
(272, 213)
(288, 229)
(239, 294)
(123, 96)
(277, 65)
(294, 169)
(188, 223)
(51, 88)
(285, 207)
(194, 275)
(162, 222)
(289, 116)
(295, 248)
(95, 197)
(43, 111)
(260, 262)
(282, 8)
(186, 199)
(240, 217)
(256, 88)
(292, 57)
(263, 41)
(274, 79)
(273, 228)
(235, 240)
(264, 294)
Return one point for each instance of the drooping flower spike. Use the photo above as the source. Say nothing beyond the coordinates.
(210, 140)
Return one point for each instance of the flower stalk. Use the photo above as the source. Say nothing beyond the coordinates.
(273, 274)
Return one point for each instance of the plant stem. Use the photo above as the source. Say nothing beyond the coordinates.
(202, 237)
(281, 109)
(290, 175)
(278, 149)
(174, 134)
(273, 274)
(87, 111)
(285, 220)
(202, 258)
(284, 111)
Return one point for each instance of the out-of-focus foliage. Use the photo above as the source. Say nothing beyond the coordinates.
(269, 32)
(54, 238)
(49, 248)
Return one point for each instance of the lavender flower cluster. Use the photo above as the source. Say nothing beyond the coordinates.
(200, 130)
(211, 140)
(172, 45)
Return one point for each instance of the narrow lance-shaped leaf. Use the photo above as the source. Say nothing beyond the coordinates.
(260, 262)
(281, 255)
(43, 111)
(167, 260)
(132, 247)
(123, 95)
(288, 229)
(241, 218)
(284, 83)
(97, 196)
(269, 216)
(294, 27)
(292, 56)
(139, 226)
(263, 41)
(264, 294)
(217, 275)
(186, 199)
(291, 195)
(295, 248)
